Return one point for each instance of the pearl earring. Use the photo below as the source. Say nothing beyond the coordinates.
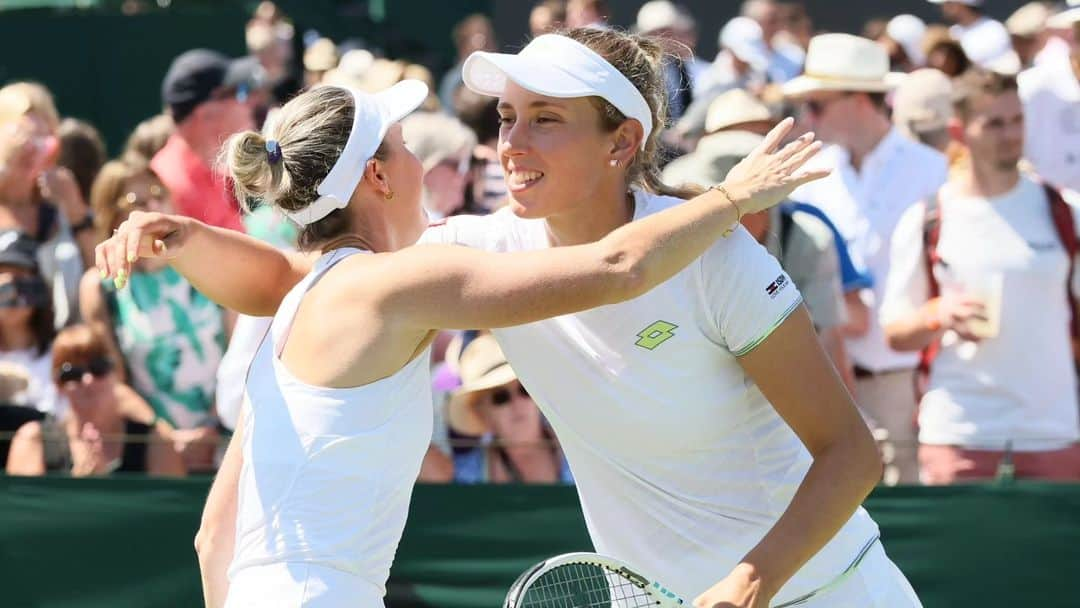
(614, 162)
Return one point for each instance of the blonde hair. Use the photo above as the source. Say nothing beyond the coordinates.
(112, 183)
(148, 137)
(311, 130)
(638, 58)
(19, 99)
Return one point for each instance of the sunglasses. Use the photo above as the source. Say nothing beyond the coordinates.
(24, 292)
(70, 372)
(503, 396)
(132, 200)
(817, 106)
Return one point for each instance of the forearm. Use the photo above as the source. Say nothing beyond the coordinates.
(917, 330)
(214, 560)
(836, 484)
(238, 272)
(216, 538)
(657, 247)
(86, 240)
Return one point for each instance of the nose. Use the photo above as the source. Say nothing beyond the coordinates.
(514, 139)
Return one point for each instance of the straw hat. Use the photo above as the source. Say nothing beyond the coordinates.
(321, 56)
(1028, 20)
(923, 102)
(482, 366)
(735, 107)
(842, 62)
(1066, 18)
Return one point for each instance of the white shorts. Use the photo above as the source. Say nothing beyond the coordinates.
(875, 583)
(296, 585)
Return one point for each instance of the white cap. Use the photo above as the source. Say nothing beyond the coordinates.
(372, 118)
(661, 15)
(923, 102)
(1028, 20)
(990, 47)
(744, 38)
(908, 31)
(1066, 18)
(558, 66)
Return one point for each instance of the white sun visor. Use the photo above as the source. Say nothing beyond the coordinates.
(374, 115)
(557, 66)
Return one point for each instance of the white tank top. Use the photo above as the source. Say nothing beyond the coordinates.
(328, 472)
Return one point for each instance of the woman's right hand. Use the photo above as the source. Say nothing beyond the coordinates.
(769, 174)
(142, 235)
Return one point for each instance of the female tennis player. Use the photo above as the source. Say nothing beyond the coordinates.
(337, 410)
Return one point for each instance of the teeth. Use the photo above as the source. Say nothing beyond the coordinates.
(522, 178)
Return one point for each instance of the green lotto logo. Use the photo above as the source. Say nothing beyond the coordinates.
(655, 334)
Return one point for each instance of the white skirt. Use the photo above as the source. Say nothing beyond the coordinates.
(300, 585)
(875, 583)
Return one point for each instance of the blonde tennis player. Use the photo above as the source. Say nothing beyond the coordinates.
(312, 497)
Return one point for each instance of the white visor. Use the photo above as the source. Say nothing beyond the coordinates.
(373, 116)
(557, 66)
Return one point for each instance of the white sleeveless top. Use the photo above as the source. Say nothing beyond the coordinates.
(328, 472)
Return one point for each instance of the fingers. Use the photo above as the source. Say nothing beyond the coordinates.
(778, 134)
(809, 176)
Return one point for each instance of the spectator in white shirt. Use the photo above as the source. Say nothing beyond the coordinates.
(1051, 96)
(922, 108)
(985, 40)
(785, 58)
(1027, 27)
(877, 174)
(1003, 378)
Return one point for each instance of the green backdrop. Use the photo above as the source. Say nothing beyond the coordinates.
(122, 543)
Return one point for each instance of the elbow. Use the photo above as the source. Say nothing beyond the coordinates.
(896, 339)
(626, 271)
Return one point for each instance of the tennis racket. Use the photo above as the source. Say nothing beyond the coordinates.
(588, 580)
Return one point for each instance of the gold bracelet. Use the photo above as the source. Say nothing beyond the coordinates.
(738, 212)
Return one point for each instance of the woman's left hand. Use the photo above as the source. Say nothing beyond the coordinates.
(740, 589)
(59, 186)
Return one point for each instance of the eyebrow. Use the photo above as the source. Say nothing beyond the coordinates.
(536, 104)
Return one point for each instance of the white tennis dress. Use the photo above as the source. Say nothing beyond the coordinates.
(681, 463)
(327, 477)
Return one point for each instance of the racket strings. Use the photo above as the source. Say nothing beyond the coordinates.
(584, 586)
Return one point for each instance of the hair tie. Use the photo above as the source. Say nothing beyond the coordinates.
(273, 151)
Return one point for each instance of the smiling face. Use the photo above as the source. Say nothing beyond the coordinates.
(554, 153)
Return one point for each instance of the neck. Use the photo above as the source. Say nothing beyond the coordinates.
(375, 231)
(986, 180)
(206, 148)
(19, 337)
(864, 140)
(592, 219)
(16, 192)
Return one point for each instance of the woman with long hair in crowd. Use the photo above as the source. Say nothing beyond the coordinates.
(311, 499)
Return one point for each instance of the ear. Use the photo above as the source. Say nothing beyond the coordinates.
(956, 130)
(375, 175)
(626, 141)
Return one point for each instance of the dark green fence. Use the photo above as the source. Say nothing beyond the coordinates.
(122, 543)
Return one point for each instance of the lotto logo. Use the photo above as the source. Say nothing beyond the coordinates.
(655, 335)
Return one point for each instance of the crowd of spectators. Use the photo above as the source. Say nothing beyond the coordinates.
(957, 338)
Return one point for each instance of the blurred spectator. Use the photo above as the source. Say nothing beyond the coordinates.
(796, 28)
(497, 431)
(877, 173)
(26, 332)
(742, 63)
(802, 242)
(985, 41)
(40, 199)
(874, 29)
(444, 146)
(480, 113)
(547, 16)
(922, 108)
(170, 336)
(785, 60)
(943, 53)
(902, 39)
(474, 33)
(1059, 35)
(271, 45)
(994, 313)
(587, 13)
(148, 138)
(677, 31)
(415, 71)
(22, 440)
(319, 58)
(82, 151)
(1051, 96)
(208, 98)
(1027, 27)
(109, 427)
